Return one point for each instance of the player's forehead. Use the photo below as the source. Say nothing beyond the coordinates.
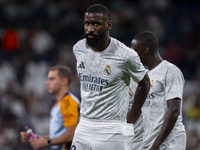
(53, 73)
(94, 16)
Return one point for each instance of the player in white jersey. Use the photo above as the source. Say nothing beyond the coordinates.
(104, 67)
(137, 142)
(162, 110)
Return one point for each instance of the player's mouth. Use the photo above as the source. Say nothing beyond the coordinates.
(91, 36)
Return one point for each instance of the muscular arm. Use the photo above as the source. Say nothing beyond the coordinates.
(169, 122)
(140, 96)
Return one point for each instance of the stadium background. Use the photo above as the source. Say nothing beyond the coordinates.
(36, 34)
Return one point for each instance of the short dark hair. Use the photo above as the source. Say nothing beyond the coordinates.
(63, 72)
(99, 8)
(148, 38)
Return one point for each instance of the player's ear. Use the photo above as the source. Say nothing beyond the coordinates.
(109, 25)
(146, 50)
(65, 81)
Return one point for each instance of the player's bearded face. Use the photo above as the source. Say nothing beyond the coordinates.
(96, 41)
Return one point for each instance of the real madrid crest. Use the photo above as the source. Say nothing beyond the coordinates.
(130, 93)
(152, 83)
(107, 70)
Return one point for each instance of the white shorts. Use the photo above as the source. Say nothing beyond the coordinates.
(102, 135)
(137, 143)
(175, 141)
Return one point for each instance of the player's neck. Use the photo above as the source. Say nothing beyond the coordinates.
(59, 96)
(105, 43)
(154, 61)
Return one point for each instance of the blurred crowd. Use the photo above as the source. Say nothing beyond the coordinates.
(36, 34)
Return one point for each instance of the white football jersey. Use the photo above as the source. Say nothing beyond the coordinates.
(104, 78)
(167, 82)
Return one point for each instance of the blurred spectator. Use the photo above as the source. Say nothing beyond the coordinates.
(10, 44)
(41, 43)
(10, 40)
(7, 74)
(35, 77)
(173, 51)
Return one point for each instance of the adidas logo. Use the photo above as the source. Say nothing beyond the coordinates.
(81, 65)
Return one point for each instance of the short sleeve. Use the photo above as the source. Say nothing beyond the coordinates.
(134, 67)
(174, 83)
(70, 111)
(75, 47)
